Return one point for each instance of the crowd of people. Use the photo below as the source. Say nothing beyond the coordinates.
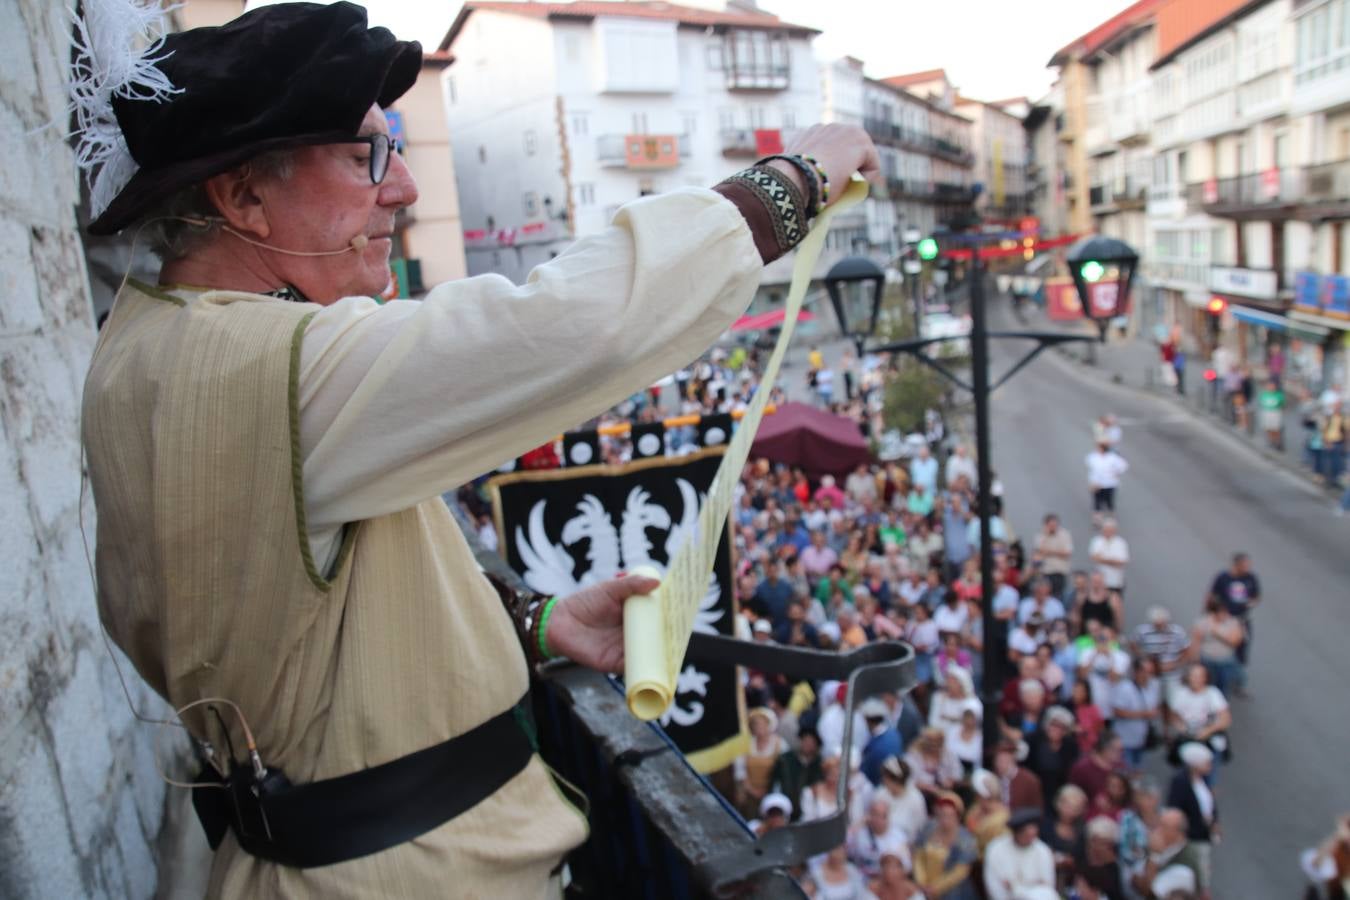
(1061, 806)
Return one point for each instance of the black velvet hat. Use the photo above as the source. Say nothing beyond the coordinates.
(280, 76)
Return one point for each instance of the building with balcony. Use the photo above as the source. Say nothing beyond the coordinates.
(561, 113)
(1000, 166)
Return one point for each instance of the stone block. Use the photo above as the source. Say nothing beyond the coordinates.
(39, 409)
(84, 754)
(21, 310)
(136, 851)
(39, 858)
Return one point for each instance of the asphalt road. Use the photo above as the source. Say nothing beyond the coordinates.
(1191, 498)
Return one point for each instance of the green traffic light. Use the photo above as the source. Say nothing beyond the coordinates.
(928, 249)
(1092, 270)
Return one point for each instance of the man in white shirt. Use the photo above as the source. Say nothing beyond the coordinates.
(958, 465)
(1104, 664)
(1018, 861)
(1105, 467)
(923, 470)
(1053, 553)
(875, 837)
(1110, 553)
(1040, 603)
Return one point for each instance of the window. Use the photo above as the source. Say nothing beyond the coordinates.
(1183, 169)
(639, 123)
(757, 117)
(690, 121)
(726, 119)
(581, 124)
(530, 204)
(450, 90)
(1280, 152)
(586, 194)
(715, 54)
(789, 119)
(572, 48)
(529, 142)
(646, 187)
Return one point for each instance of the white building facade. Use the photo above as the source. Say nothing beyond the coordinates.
(559, 118)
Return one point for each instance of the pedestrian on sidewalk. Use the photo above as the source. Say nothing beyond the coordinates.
(1271, 404)
(1334, 428)
(1105, 467)
(1110, 553)
(1053, 554)
(1238, 588)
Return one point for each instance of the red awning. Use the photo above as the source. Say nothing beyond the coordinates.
(771, 319)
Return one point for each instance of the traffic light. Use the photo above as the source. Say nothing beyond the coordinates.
(1216, 306)
(1028, 248)
(1092, 271)
(928, 249)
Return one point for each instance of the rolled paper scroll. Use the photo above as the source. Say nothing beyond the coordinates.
(656, 626)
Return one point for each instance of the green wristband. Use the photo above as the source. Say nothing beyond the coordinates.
(543, 627)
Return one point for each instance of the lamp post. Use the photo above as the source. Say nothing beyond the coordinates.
(913, 269)
(848, 283)
(1116, 269)
(1102, 269)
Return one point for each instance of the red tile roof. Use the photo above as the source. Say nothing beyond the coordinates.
(1135, 14)
(632, 9)
(915, 77)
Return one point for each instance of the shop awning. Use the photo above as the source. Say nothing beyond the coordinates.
(1278, 322)
(1313, 320)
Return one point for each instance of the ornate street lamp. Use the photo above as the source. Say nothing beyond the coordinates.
(856, 286)
(1103, 270)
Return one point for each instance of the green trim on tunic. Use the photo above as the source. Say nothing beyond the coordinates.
(298, 474)
(156, 293)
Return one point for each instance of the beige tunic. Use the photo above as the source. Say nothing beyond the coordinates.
(194, 413)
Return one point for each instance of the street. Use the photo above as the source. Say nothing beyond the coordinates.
(1191, 498)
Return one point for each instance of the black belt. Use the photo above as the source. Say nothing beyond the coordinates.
(364, 812)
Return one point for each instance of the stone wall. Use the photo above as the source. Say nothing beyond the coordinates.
(81, 807)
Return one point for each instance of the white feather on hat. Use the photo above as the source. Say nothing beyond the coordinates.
(115, 46)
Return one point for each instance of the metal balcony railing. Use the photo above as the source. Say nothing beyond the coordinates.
(1327, 183)
(740, 77)
(611, 149)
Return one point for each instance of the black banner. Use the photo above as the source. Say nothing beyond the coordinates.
(565, 529)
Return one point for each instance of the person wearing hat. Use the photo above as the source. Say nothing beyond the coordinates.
(1190, 793)
(909, 810)
(988, 815)
(798, 769)
(945, 852)
(1018, 860)
(1021, 788)
(753, 770)
(775, 810)
(268, 446)
(883, 740)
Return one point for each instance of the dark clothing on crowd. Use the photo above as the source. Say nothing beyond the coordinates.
(876, 751)
(797, 634)
(1105, 878)
(1089, 775)
(791, 775)
(911, 721)
(1100, 610)
(771, 599)
(1236, 591)
(1051, 765)
(1181, 795)
(1074, 847)
(1026, 791)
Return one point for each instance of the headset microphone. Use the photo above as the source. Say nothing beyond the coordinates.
(356, 244)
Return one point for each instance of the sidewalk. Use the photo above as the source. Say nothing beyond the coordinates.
(1134, 362)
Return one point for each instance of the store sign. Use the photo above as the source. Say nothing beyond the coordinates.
(1327, 295)
(1258, 284)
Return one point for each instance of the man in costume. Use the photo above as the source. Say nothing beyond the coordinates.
(268, 447)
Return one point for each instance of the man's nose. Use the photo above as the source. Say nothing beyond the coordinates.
(399, 188)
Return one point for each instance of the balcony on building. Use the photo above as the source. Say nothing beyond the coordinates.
(1120, 195)
(751, 142)
(1256, 195)
(910, 189)
(1327, 184)
(757, 61)
(642, 151)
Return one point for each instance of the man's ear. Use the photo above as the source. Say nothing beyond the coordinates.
(234, 195)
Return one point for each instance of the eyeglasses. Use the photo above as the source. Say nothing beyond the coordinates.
(382, 148)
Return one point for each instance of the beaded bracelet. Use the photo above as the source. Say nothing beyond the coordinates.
(809, 177)
(824, 180)
(538, 632)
